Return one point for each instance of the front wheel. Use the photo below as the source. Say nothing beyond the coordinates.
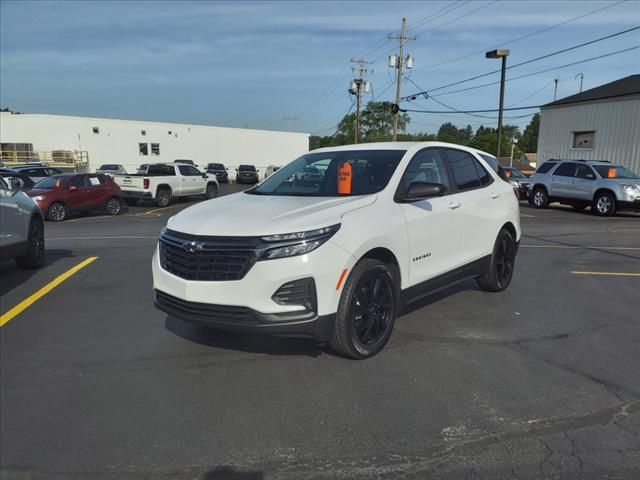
(212, 191)
(34, 257)
(604, 204)
(57, 212)
(113, 206)
(502, 263)
(367, 310)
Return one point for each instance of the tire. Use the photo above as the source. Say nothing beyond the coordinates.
(212, 191)
(57, 212)
(113, 206)
(604, 204)
(164, 198)
(132, 202)
(502, 264)
(363, 337)
(539, 198)
(34, 257)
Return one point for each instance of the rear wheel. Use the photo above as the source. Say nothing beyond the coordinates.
(35, 248)
(164, 198)
(113, 206)
(57, 212)
(502, 263)
(604, 204)
(212, 191)
(367, 310)
(539, 198)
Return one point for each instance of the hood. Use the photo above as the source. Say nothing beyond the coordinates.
(243, 214)
(626, 181)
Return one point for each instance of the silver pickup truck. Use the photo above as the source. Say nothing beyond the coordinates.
(164, 181)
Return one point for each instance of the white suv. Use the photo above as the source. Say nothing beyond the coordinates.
(335, 259)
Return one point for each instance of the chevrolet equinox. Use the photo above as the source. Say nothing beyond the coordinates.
(336, 259)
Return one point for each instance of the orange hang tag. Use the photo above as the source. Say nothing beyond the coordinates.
(344, 179)
(611, 173)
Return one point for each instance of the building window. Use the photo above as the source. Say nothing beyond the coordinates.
(155, 149)
(96, 130)
(143, 132)
(583, 139)
(143, 149)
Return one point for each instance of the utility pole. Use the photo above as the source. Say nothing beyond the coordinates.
(359, 85)
(581, 75)
(291, 120)
(555, 88)
(398, 63)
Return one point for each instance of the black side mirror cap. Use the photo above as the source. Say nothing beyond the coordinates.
(421, 191)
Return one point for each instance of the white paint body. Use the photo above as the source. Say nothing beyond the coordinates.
(616, 123)
(456, 229)
(117, 141)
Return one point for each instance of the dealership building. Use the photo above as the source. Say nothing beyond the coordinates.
(83, 143)
(602, 123)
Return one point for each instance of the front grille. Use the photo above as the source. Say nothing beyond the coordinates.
(204, 311)
(212, 259)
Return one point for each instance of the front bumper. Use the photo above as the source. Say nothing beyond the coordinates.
(629, 205)
(242, 319)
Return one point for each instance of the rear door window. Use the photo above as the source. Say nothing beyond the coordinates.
(79, 181)
(545, 167)
(465, 173)
(584, 171)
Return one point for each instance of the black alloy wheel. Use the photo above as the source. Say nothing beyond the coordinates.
(502, 264)
(372, 307)
(34, 256)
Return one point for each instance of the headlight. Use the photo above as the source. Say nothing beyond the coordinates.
(39, 198)
(299, 243)
(630, 188)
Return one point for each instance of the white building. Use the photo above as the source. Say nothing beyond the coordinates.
(598, 124)
(88, 143)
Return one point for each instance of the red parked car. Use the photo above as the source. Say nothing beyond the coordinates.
(59, 195)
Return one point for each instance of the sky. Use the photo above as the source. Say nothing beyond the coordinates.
(251, 64)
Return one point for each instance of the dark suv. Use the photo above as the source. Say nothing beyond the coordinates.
(219, 170)
(247, 174)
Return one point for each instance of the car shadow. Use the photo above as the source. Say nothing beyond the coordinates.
(431, 298)
(230, 473)
(586, 212)
(244, 342)
(12, 276)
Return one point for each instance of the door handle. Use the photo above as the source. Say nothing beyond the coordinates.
(494, 195)
(454, 205)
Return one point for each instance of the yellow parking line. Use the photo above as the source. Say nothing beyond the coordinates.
(527, 216)
(149, 212)
(573, 247)
(612, 274)
(27, 302)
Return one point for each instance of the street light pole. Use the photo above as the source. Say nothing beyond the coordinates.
(502, 53)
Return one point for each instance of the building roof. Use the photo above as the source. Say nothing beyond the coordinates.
(620, 88)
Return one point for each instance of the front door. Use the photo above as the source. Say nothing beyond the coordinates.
(584, 179)
(78, 193)
(431, 228)
(562, 180)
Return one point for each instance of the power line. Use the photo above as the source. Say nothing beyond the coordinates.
(336, 125)
(514, 40)
(458, 18)
(542, 71)
(439, 14)
(557, 52)
(532, 94)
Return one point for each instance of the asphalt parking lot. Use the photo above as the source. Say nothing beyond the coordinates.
(540, 381)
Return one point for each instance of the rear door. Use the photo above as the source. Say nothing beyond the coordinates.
(431, 228)
(190, 180)
(562, 180)
(98, 191)
(476, 207)
(78, 194)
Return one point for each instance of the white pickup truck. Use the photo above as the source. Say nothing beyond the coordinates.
(165, 181)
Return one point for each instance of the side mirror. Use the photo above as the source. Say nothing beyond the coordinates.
(72, 189)
(422, 190)
(226, 169)
(590, 176)
(16, 183)
(204, 175)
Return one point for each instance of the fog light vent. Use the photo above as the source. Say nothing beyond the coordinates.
(299, 292)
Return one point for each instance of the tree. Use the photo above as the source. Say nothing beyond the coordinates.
(448, 132)
(376, 122)
(529, 142)
(486, 139)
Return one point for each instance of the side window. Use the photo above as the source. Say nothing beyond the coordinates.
(3, 185)
(184, 170)
(194, 172)
(565, 170)
(426, 166)
(94, 180)
(78, 181)
(584, 171)
(464, 170)
(485, 178)
(545, 167)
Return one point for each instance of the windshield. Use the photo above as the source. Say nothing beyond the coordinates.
(514, 173)
(247, 168)
(216, 166)
(329, 174)
(109, 167)
(55, 181)
(614, 171)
